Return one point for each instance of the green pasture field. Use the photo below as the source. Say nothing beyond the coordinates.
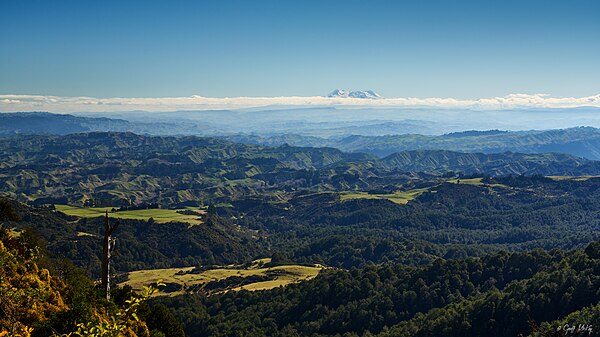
(470, 181)
(159, 215)
(398, 197)
(576, 178)
(289, 274)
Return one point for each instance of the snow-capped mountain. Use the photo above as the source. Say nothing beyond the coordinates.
(364, 94)
(355, 94)
(338, 93)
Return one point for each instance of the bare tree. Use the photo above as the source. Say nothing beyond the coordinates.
(108, 246)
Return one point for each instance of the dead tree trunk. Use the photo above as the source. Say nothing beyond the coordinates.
(107, 248)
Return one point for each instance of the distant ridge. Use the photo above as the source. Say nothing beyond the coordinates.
(471, 133)
(380, 139)
(495, 164)
(35, 123)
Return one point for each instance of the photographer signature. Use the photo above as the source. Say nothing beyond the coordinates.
(571, 329)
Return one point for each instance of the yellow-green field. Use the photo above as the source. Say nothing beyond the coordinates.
(86, 234)
(14, 233)
(404, 197)
(476, 182)
(576, 178)
(399, 197)
(470, 181)
(159, 215)
(290, 274)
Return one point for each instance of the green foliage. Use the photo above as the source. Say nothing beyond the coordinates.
(7, 211)
(119, 323)
(81, 297)
(161, 321)
(28, 293)
(593, 250)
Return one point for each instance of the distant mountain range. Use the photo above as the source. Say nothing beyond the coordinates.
(580, 141)
(369, 94)
(350, 137)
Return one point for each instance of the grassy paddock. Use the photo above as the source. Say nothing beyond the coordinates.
(289, 274)
(15, 233)
(470, 181)
(398, 197)
(576, 178)
(159, 215)
(403, 197)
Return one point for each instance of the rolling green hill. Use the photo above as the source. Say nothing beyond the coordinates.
(116, 169)
(498, 164)
(112, 169)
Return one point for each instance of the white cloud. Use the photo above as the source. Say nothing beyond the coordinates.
(10, 101)
(91, 104)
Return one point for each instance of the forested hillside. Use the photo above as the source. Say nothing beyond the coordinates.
(400, 287)
(496, 295)
(142, 244)
(449, 219)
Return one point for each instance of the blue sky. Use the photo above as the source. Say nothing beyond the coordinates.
(462, 49)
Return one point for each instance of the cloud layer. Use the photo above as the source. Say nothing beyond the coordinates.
(11, 103)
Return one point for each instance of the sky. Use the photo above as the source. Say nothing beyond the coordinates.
(465, 50)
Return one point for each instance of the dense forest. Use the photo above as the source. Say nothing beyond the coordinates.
(499, 294)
